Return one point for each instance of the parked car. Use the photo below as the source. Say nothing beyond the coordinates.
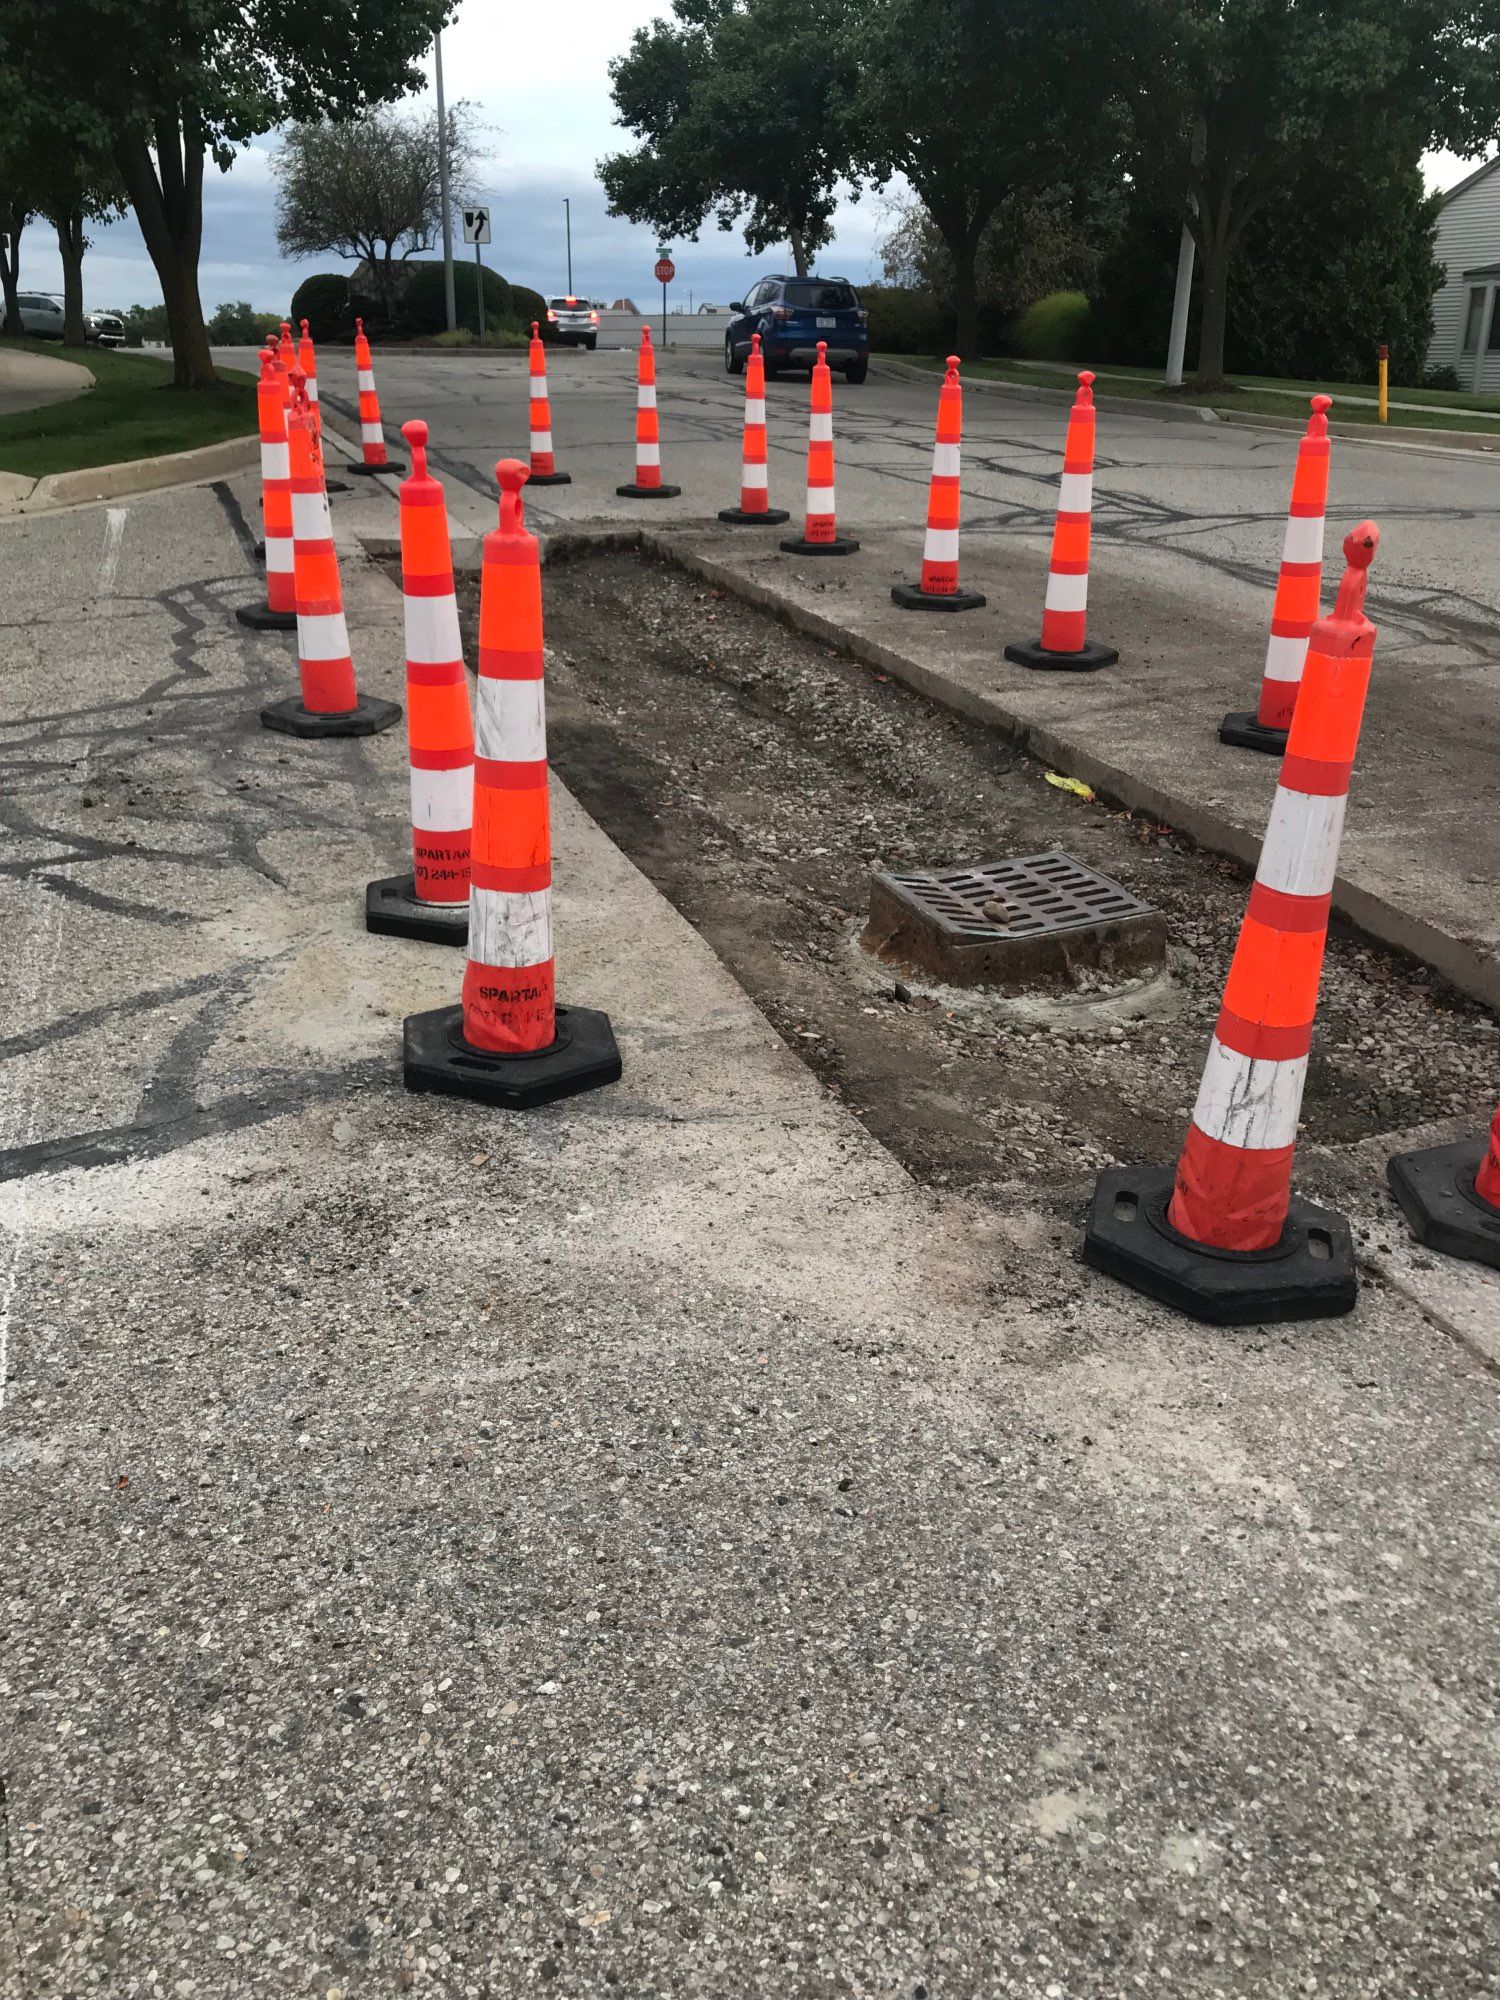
(41, 317)
(792, 315)
(105, 329)
(574, 322)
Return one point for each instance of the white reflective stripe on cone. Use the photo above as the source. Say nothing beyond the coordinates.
(506, 928)
(511, 723)
(371, 434)
(276, 460)
(945, 462)
(541, 440)
(1304, 539)
(1242, 1102)
(322, 635)
(366, 378)
(820, 500)
(648, 454)
(941, 545)
(538, 388)
(310, 521)
(1300, 856)
(1076, 494)
(442, 801)
(754, 475)
(1285, 658)
(280, 555)
(645, 396)
(432, 638)
(1066, 593)
(755, 409)
(312, 388)
(820, 427)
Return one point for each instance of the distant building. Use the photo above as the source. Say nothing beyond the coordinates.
(1465, 318)
(626, 306)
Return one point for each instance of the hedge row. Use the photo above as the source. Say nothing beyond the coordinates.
(329, 306)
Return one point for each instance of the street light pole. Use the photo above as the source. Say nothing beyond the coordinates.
(568, 219)
(450, 302)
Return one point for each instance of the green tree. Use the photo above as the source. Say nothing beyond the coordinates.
(1230, 105)
(741, 108)
(236, 323)
(167, 85)
(370, 186)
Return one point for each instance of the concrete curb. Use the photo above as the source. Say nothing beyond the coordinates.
(131, 475)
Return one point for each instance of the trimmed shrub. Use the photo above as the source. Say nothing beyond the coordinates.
(424, 310)
(527, 305)
(1056, 328)
(323, 301)
(905, 321)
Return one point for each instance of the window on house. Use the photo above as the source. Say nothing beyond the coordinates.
(1474, 318)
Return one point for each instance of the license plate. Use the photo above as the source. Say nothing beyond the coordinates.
(827, 322)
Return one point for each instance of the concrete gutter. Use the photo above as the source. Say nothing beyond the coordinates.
(20, 495)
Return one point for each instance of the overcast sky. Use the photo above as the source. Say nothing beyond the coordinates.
(539, 77)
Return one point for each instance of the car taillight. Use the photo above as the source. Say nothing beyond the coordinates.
(595, 318)
(863, 318)
(781, 312)
(552, 315)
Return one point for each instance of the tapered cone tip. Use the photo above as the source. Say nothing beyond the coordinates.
(512, 475)
(536, 333)
(822, 353)
(359, 326)
(267, 365)
(952, 367)
(1321, 405)
(305, 334)
(415, 433)
(1360, 545)
(755, 343)
(645, 336)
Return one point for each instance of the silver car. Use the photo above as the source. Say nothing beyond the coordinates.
(573, 321)
(105, 329)
(41, 317)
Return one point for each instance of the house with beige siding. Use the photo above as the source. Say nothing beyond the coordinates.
(1465, 322)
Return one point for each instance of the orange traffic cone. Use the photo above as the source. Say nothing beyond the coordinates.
(330, 704)
(1299, 586)
(1222, 1238)
(647, 484)
(820, 532)
(544, 470)
(1064, 644)
(938, 589)
(371, 433)
(279, 612)
(433, 901)
(755, 509)
(508, 1043)
(307, 361)
(1451, 1196)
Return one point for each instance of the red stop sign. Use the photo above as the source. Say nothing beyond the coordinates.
(666, 270)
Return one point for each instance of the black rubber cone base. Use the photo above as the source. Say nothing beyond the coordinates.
(768, 517)
(798, 546)
(912, 597)
(436, 1057)
(261, 618)
(550, 479)
(648, 492)
(368, 717)
(336, 485)
(394, 909)
(1308, 1275)
(1245, 733)
(259, 552)
(1436, 1193)
(372, 471)
(1088, 660)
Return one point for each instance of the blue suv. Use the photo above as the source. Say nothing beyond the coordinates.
(792, 315)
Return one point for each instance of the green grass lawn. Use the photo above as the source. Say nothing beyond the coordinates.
(1442, 409)
(132, 411)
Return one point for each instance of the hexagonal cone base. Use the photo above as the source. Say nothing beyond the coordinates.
(374, 471)
(394, 909)
(339, 485)
(259, 552)
(367, 718)
(648, 492)
(912, 597)
(1308, 1275)
(1245, 733)
(436, 1057)
(549, 479)
(1436, 1193)
(768, 517)
(1087, 661)
(261, 618)
(800, 547)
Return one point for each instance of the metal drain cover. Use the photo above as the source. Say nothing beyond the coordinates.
(1041, 919)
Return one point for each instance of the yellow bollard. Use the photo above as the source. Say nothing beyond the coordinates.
(1385, 383)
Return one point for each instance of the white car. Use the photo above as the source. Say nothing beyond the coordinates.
(41, 317)
(105, 329)
(573, 321)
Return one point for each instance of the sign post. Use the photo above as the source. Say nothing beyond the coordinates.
(1385, 383)
(666, 271)
(477, 231)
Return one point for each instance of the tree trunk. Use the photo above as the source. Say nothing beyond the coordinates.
(961, 234)
(10, 269)
(799, 253)
(70, 250)
(168, 201)
(1215, 258)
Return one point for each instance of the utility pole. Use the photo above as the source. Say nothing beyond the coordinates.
(450, 302)
(1182, 298)
(568, 222)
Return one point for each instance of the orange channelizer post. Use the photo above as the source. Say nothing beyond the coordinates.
(279, 612)
(938, 589)
(371, 434)
(755, 509)
(507, 1043)
(1221, 1236)
(1298, 590)
(286, 358)
(330, 704)
(1065, 646)
(544, 470)
(307, 361)
(647, 484)
(820, 530)
(1451, 1196)
(431, 903)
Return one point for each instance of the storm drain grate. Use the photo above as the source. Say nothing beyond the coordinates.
(1036, 919)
